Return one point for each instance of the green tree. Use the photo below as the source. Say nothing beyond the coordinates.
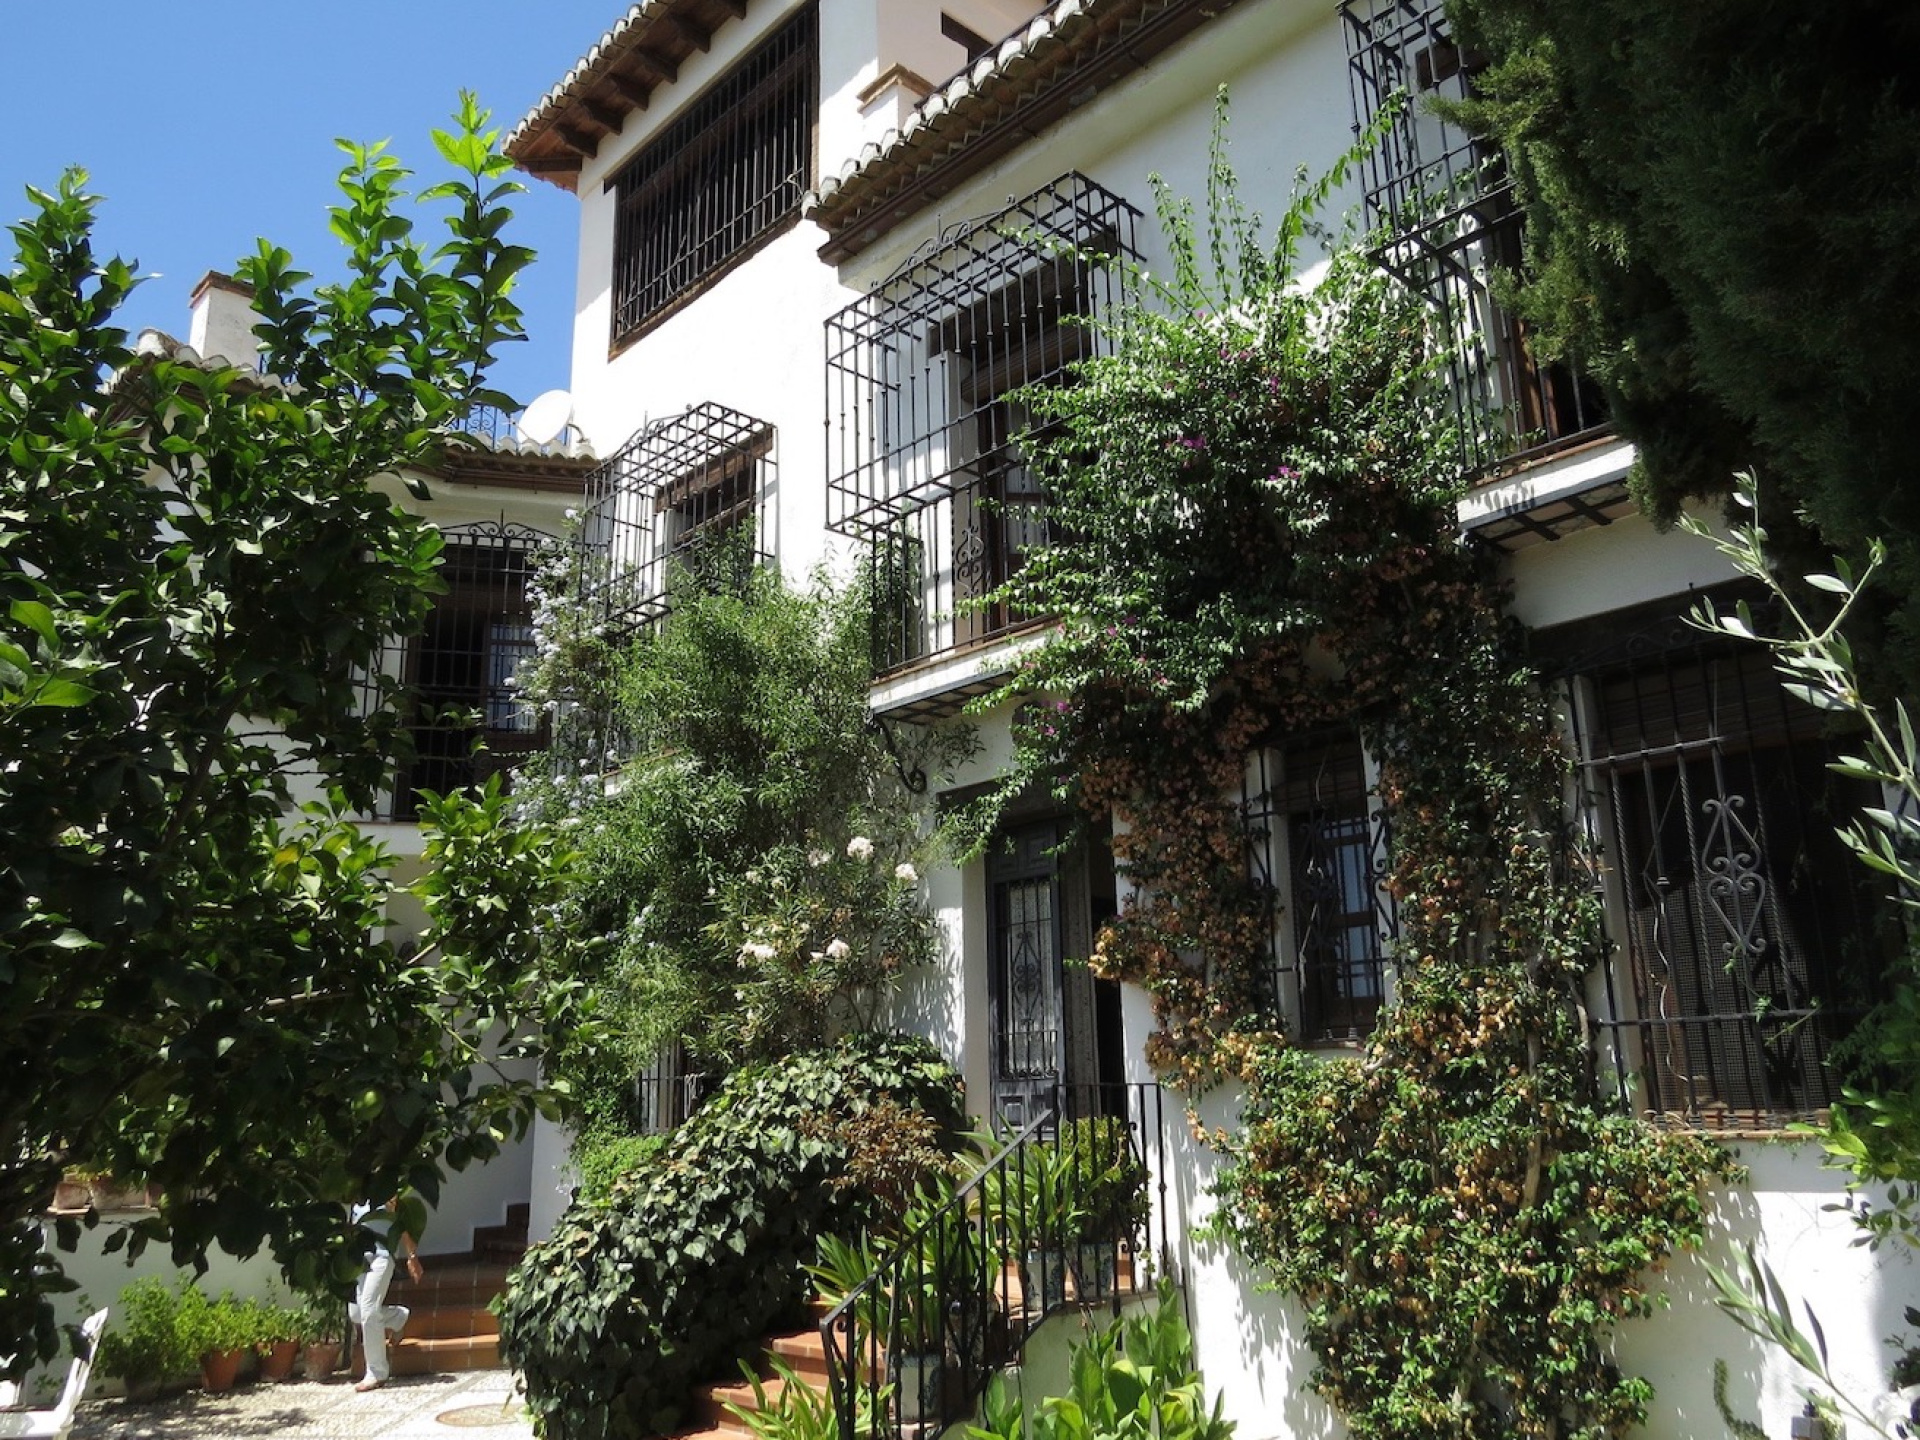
(195, 578)
(754, 867)
(1720, 206)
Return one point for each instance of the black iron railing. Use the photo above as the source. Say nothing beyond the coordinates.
(659, 1102)
(1441, 201)
(493, 425)
(1070, 1212)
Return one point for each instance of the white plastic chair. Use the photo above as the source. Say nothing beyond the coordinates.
(53, 1424)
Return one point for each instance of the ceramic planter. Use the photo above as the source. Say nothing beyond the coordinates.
(276, 1360)
(220, 1369)
(321, 1358)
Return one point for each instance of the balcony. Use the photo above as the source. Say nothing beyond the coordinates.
(683, 501)
(925, 381)
(1441, 205)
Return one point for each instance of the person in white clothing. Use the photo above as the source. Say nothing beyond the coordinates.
(369, 1309)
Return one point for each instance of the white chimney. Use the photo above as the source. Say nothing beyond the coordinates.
(223, 320)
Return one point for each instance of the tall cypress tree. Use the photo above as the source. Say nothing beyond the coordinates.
(1723, 222)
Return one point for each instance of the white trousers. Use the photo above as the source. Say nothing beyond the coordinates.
(374, 1316)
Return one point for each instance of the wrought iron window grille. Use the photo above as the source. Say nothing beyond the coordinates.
(683, 501)
(924, 423)
(728, 173)
(1318, 843)
(468, 719)
(1749, 942)
(661, 1097)
(1442, 208)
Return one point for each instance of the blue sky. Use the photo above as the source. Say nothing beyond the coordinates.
(206, 123)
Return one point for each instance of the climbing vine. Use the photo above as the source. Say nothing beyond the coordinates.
(1259, 488)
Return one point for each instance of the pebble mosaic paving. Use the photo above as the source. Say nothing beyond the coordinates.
(475, 1404)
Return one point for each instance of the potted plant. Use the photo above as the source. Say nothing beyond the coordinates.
(219, 1331)
(276, 1328)
(941, 1306)
(321, 1325)
(1034, 1199)
(145, 1347)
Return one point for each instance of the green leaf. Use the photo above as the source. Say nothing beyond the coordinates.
(38, 618)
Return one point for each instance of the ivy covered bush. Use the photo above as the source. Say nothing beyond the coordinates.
(676, 1275)
(1257, 491)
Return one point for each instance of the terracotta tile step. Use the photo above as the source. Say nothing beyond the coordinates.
(732, 1429)
(805, 1354)
(432, 1357)
(710, 1401)
(444, 1322)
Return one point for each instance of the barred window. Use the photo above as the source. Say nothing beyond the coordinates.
(923, 425)
(725, 175)
(1441, 203)
(687, 494)
(1316, 837)
(1752, 940)
(459, 670)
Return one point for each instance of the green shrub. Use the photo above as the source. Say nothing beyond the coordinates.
(1134, 1381)
(145, 1344)
(673, 1279)
(600, 1160)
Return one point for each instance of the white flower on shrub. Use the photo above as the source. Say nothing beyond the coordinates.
(817, 858)
(860, 848)
(906, 872)
(838, 949)
(757, 950)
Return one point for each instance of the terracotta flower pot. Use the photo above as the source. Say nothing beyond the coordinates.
(322, 1358)
(219, 1369)
(276, 1360)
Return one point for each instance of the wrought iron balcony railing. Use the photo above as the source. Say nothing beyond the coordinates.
(1071, 1212)
(1441, 204)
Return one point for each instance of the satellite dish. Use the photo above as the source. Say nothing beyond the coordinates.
(542, 421)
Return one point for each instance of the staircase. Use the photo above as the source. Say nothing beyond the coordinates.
(802, 1352)
(451, 1327)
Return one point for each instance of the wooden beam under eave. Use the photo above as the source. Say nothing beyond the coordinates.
(700, 39)
(607, 118)
(735, 8)
(581, 144)
(664, 72)
(631, 90)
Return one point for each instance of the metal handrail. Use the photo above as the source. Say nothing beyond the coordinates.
(1035, 1231)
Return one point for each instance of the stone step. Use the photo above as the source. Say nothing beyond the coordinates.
(452, 1276)
(710, 1401)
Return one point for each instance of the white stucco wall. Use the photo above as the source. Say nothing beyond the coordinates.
(101, 1277)
(1248, 1339)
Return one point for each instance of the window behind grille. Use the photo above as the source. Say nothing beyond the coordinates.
(1751, 934)
(1315, 834)
(728, 172)
(469, 720)
(1446, 221)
